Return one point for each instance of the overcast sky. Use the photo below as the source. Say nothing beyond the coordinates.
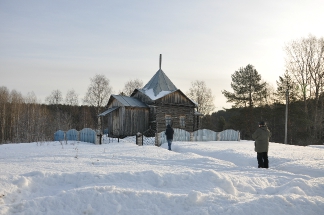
(49, 45)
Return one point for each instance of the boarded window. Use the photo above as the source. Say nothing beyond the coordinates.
(182, 121)
(168, 120)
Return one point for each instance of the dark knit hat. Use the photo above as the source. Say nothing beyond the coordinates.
(262, 123)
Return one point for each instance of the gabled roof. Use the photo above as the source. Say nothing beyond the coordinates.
(128, 101)
(159, 83)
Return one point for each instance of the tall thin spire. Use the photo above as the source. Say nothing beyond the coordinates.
(159, 82)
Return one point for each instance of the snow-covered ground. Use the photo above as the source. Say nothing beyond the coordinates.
(195, 178)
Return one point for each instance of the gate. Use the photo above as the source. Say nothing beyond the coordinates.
(149, 137)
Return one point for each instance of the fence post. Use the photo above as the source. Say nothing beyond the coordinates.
(157, 139)
(139, 139)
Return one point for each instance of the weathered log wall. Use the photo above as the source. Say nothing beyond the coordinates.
(127, 121)
(175, 111)
(175, 98)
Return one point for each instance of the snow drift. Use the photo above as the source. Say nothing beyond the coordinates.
(195, 178)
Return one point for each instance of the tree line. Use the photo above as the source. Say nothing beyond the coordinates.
(254, 100)
(26, 119)
(23, 119)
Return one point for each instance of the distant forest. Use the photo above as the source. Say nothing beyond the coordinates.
(23, 120)
(301, 87)
(300, 126)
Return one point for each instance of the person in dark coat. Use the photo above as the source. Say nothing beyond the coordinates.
(261, 137)
(169, 135)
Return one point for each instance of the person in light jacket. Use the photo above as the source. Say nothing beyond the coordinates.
(169, 135)
(261, 137)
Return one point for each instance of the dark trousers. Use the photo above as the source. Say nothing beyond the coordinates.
(263, 161)
(169, 143)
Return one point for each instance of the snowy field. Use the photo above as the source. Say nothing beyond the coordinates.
(195, 178)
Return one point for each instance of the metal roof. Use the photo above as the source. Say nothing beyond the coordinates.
(129, 101)
(108, 111)
(160, 82)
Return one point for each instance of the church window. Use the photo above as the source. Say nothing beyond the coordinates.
(182, 121)
(168, 120)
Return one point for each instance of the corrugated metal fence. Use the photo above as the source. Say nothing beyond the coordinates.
(59, 135)
(179, 135)
(72, 135)
(200, 135)
(85, 135)
(89, 135)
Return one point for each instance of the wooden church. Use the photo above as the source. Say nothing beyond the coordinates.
(151, 108)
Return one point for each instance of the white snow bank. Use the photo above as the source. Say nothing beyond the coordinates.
(194, 178)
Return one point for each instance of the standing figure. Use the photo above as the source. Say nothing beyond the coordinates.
(169, 135)
(261, 137)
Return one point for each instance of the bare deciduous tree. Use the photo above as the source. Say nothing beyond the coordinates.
(202, 95)
(71, 98)
(285, 83)
(4, 99)
(266, 96)
(30, 118)
(305, 63)
(16, 103)
(31, 98)
(23, 119)
(98, 92)
(55, 98)
(131, 85)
